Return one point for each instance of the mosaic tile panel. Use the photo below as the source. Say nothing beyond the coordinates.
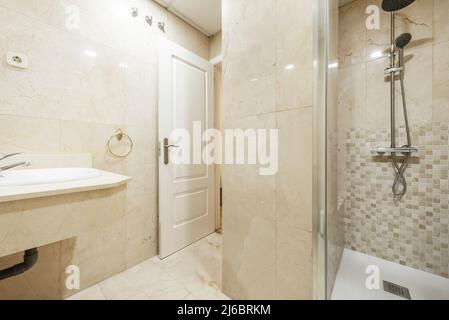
(412, 231)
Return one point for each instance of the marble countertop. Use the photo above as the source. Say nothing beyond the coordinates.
(104, 181)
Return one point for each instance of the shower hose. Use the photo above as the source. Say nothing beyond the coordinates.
(400, 169)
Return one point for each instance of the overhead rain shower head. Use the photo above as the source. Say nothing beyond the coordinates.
(395, 5)
(403, 40)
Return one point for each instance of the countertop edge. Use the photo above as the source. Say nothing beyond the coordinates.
(113, 181)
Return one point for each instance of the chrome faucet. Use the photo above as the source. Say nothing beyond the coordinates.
(15, 165)
(5, 156)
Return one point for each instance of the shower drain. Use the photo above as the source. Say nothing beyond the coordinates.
(397, 290)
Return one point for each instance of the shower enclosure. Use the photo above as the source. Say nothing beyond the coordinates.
(381, 149)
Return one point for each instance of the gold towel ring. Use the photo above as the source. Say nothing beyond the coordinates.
(119, 135)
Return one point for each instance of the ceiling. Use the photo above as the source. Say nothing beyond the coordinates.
(205, 15)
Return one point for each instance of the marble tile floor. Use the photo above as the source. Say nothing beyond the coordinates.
(193, 273)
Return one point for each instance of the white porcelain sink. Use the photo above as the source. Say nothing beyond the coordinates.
(15, 178)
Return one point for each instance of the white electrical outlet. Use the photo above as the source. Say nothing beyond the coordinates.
(17, 60)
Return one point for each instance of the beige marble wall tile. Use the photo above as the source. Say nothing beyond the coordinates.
(441, 82)
(43, 161)
(21, 94)
(261, 39)
(90, 88)
(78, 136)
(249, 200)
(32, 135)
(352, 107)
(141, 164)
(418, 20)
(142, 227)
(294, 178)
(441, 22)
(92, 138)
(254, 263)
(351, 112)
(141, 105)
(352, 34)
(36, 222)
(240, 214)
(418, 86)
(377, 95)
(294, 73)
(101, 252)
(259, 190)
(377, 40)
(33, 8)
(251, 59)
(294, 263)
(99, 255)
(251, 96)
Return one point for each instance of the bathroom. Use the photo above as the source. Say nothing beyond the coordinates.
(93, 205)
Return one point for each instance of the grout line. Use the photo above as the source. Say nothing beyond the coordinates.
(102, 291)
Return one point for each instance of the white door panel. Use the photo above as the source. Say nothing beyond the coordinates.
(186, 192)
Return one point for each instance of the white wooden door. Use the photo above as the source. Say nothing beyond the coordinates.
(186, 192)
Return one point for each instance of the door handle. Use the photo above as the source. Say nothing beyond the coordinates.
(167, 147)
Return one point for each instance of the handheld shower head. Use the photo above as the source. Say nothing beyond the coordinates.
(403, 40)
(395, 5)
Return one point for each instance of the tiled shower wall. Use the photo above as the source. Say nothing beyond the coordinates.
(414, 230)
(83, 83)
